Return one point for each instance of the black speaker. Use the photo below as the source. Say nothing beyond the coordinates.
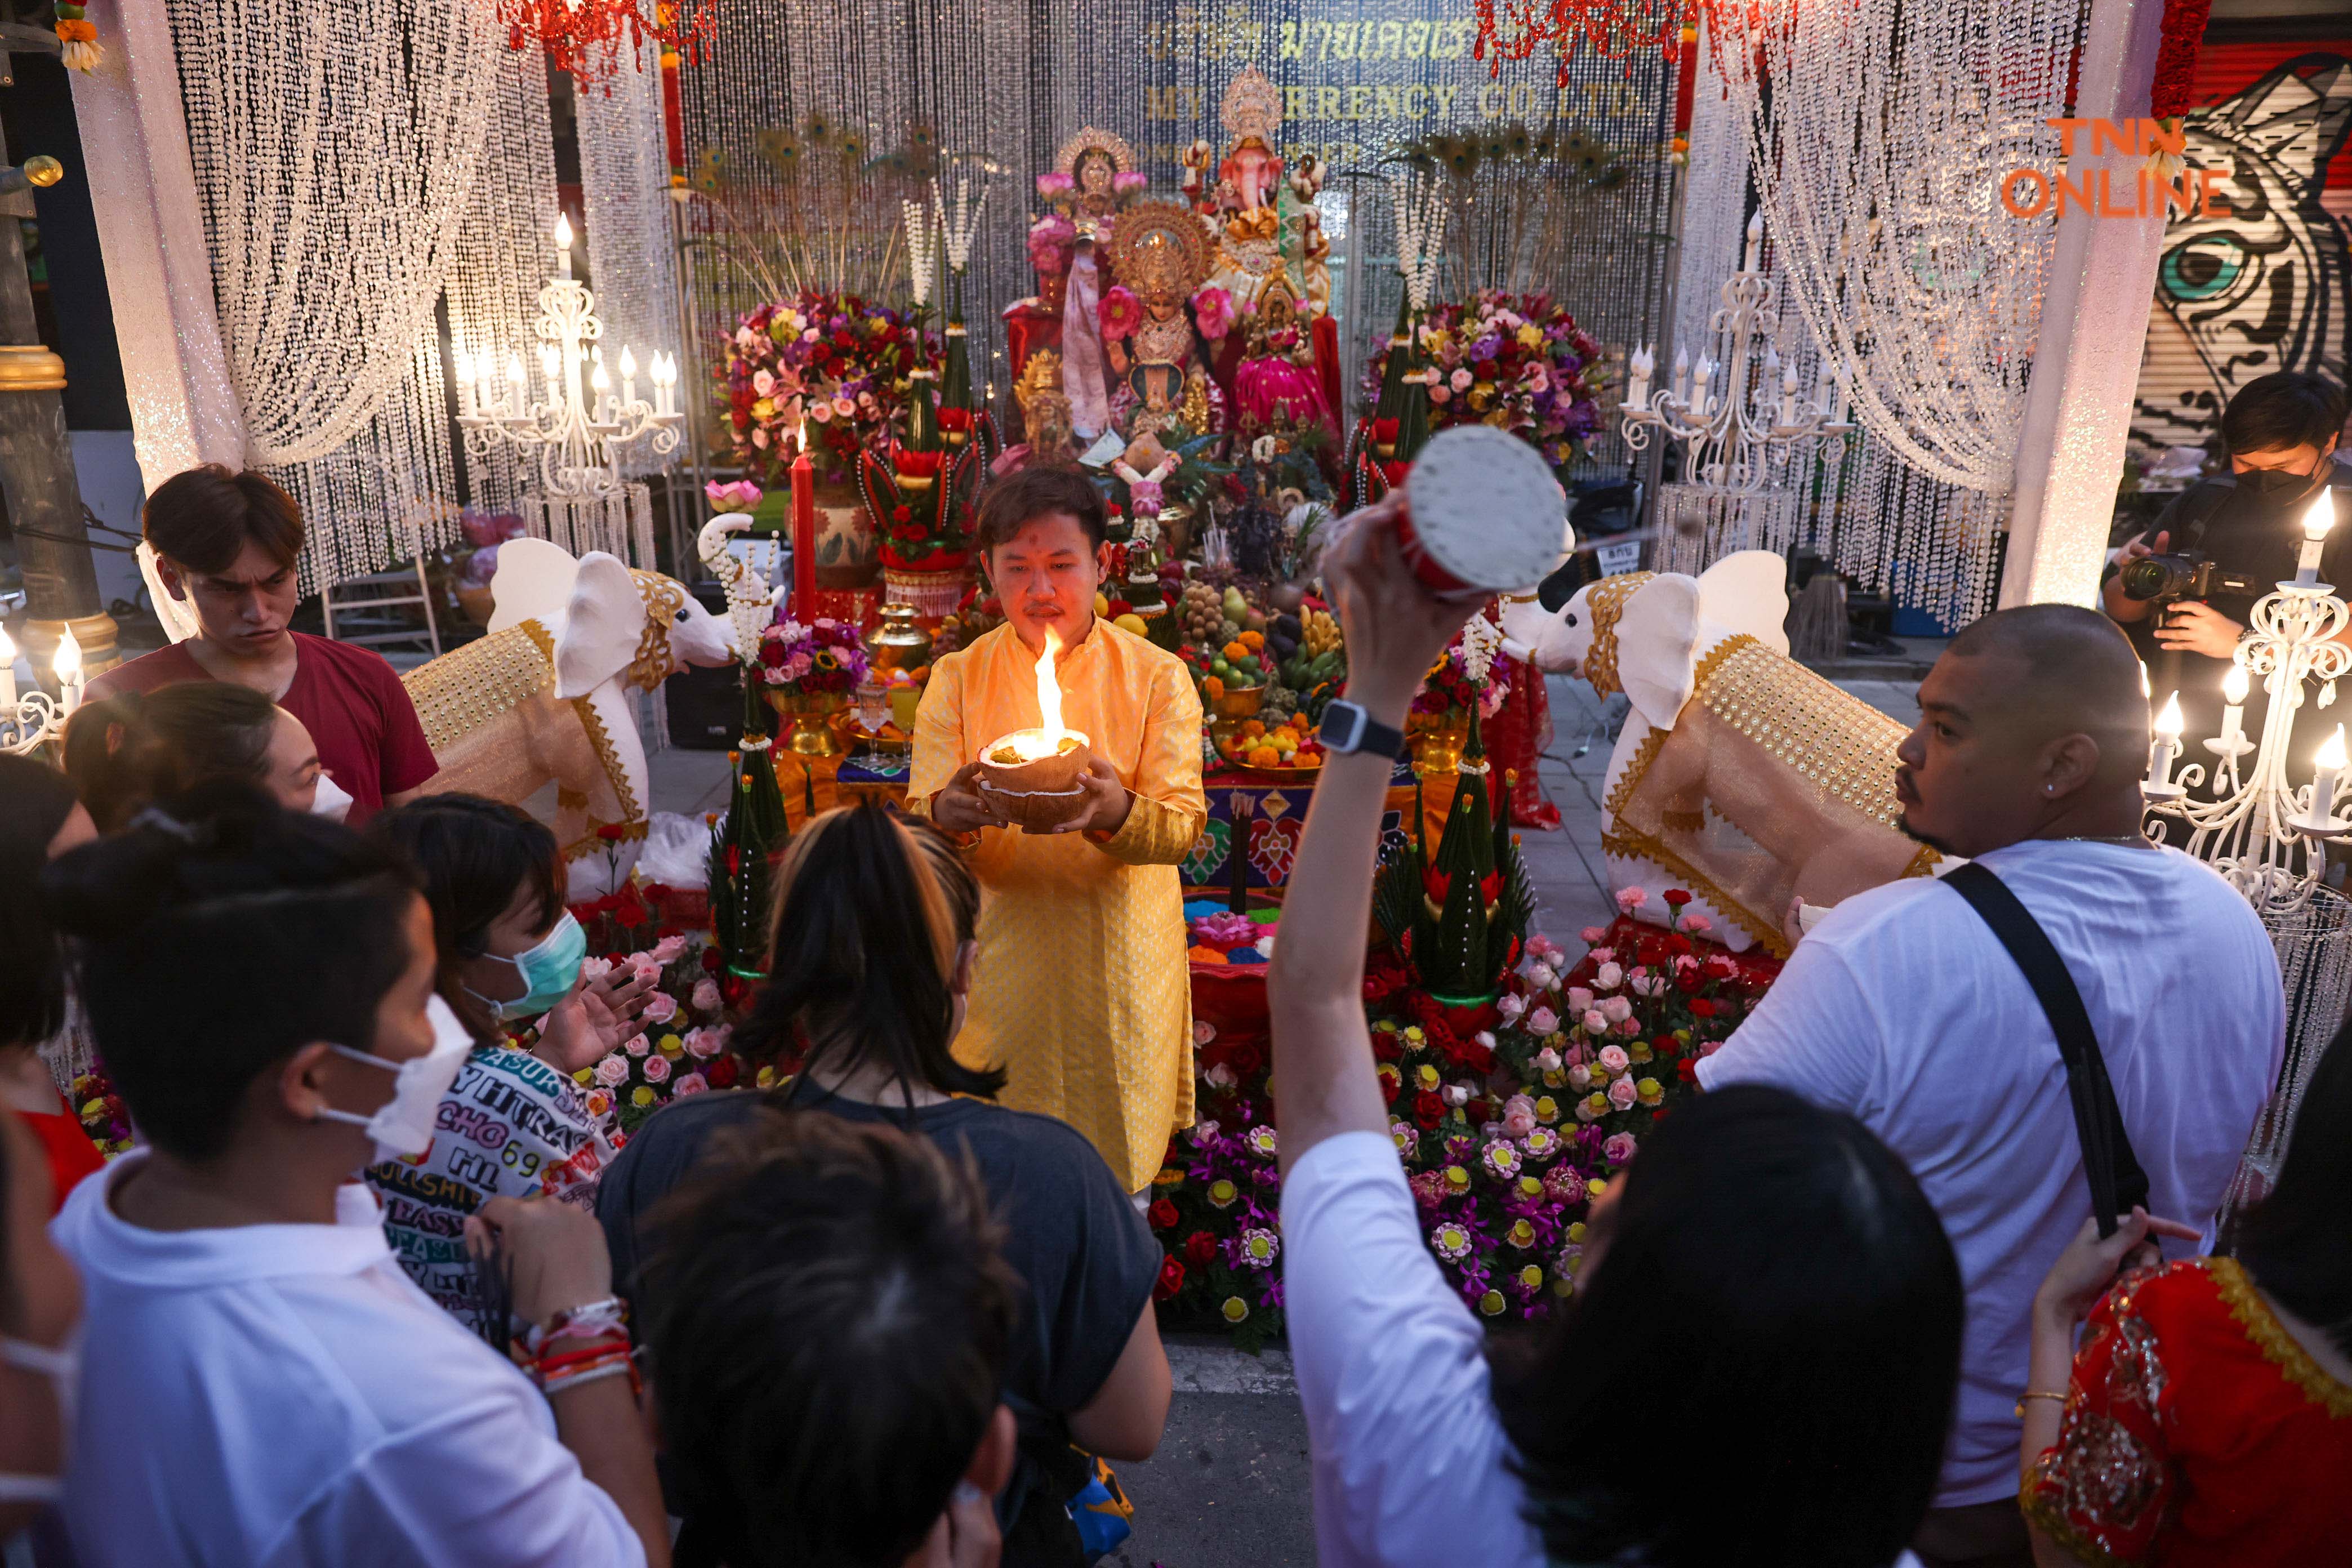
(705, 706)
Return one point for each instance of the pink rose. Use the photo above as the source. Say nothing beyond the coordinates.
(1579, 1077)
(1511, 1007)
(1519, 1116)
(706, 995)
(1616, 1009)
(701, 1044)
(1608, 977)
(635, 1044)
(692, 1083)
(595, 968)
(821, 411)
(1613, 1060)
(660, 1007)
(1708, 1048)
(1619, 1148)
(1461, 381)
(1579, 999)
(613, 1071)
(1629, 1028)
(656, 1070)
(1594, 1022)
(1631, 898)
(666, 951)
(1622, 1094)
(1219, 1077)
(1440, 394)
(1542, 1021)
(1547, 1060)
(1203, 1031)
(1484, 1038)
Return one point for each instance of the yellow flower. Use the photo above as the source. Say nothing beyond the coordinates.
(1222, 1192)
(1531, 1276)
(1641, 1051)
(1412, 1032)
(765, 408)
(1457, 1178)
(670, 1046)
(1521, 1234)
(766, 1079)
(1492, 1303)
(1530, 335)
(1234, 1309)
(1596, 1186)
(1683, 1035)
(1547, 1111)
(1554, 1079)
(1649, 1092)
(1426, 1075)
(1530, 1187)
(1598, 1103)
(641, 1095)
(1259, 1249)
(584, 1075)
(1563, 1286)
(1390, 1079)
(1403, 1137)
(1576, 1232)
(1169, 1176)
(1385, 1026)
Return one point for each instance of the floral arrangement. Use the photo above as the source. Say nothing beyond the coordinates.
(1510, 1117)
(681, 1046)
(1515, 361)
(1454, 683)
(77, 38)
(825, 655)
(1051, 241)
(101, 1112)
(834, 366)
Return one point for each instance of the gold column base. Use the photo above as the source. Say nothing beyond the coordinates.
(101, 650)
(30, 367)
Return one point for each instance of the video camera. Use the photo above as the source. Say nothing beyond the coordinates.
(2164, 580)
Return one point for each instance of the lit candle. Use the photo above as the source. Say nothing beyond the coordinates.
(1755, 243)
(564, 245)
(2165, 749)
(1640, 363)
(2233, 709)
(465, 368)
(67, 663)
(7, 677)
(803, 531)
(2316, 524)
(2331, 762)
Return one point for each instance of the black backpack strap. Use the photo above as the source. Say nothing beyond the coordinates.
(2117, 1183)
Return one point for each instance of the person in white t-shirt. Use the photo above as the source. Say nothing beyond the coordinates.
(1903, 1008)
(1758, 1361)
(262, 1384)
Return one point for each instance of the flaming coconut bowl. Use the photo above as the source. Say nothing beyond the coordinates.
(1040, 791)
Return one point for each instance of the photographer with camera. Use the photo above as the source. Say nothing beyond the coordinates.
(2183, 591)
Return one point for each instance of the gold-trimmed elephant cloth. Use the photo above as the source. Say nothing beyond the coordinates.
(1772, 786)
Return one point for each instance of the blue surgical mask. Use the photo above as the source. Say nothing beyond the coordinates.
(548, 970)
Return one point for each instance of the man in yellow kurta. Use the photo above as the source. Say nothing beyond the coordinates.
(1081, 989)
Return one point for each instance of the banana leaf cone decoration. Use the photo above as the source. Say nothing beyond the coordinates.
(1459, 915)
(746, 841)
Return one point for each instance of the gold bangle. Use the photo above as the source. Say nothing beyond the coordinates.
(2036, 1394)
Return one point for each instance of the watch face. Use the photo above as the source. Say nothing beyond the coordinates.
(1343, 726)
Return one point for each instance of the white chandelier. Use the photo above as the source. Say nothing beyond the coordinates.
(576, 432)
(35, 718)
(1735, 441)
(2260, 830)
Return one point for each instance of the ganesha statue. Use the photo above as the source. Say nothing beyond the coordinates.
(1267, 225)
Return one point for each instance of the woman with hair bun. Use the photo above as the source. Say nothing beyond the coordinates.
(130, 749)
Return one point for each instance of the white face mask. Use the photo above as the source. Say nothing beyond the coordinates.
(332, 800)
(403, 1124)
(62, 1367)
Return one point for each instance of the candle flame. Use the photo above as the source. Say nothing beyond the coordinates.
(2320, 518)
(2145, 689)
(67, 661)
(2331, 755)
(2233, 685)
(2170, 723)
(562, 231)
(1049, 692)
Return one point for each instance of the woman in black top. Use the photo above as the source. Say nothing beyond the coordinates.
(874, 916)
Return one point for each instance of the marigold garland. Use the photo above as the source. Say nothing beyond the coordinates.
(79, 37)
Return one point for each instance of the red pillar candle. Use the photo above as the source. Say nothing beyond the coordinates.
(804, 534)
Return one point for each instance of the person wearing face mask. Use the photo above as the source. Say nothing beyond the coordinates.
(2281, 432)
(40, 1308)
(127, 751)
(261, 986)
(506, 953)
(40, 820)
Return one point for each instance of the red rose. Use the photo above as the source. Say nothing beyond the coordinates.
(630, 916)
(1687, 1070)
(1164, 1214)
(1666, 1044)
(902, 514)
(721, 1073)
(772, 655)
(1200, 1248)
(710, 959)
(1701, 1007)
(1427, 1109)
(612, 832)
(1677, 897)
(1172, 1279)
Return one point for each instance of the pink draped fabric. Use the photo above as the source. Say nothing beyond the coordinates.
(1082, 347)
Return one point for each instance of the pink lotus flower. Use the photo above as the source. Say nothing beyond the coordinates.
(1619, 1148)
(1631, 898)
(692, 1083)
(656, 1070)
(1579, 998)
(1053, 183)
(636, 1045)
(1622, 1094)
(1542, 1021)
(613, 1071)
(1595, 1022)
(1608, 977)
(1131, 182)
(1213, 308)
(1613, 1060)
(660, 1007)
(706, 995)
(741, 495)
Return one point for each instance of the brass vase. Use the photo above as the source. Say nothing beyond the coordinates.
(812, 713)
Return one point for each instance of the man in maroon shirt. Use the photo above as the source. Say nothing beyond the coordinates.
(226, 544)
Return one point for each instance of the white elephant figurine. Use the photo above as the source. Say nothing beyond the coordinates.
(1740, 776)
(549, 697)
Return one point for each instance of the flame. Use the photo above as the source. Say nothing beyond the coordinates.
(1049, 692)
(2320, 518)
(2234, 684)
(2170, 723)
(2331, 755)
(67, 661)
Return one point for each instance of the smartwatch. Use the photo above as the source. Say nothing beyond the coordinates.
(1348, 727)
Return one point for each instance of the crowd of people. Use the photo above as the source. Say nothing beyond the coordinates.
(1856, 1305)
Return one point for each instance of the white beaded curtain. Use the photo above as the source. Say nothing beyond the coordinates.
(625, 190)
(335, 149)
(1874, 128)
(505, 250)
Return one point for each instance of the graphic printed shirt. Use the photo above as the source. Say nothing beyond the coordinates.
(510, 1126)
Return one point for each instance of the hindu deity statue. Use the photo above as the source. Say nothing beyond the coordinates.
(1266, 224)
(1275, 381)
(1046, 436)
(1160, 254)
(1094, 176)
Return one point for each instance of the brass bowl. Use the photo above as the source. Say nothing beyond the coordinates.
(1042, 775)
(1238, 702)
(1036, 811)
